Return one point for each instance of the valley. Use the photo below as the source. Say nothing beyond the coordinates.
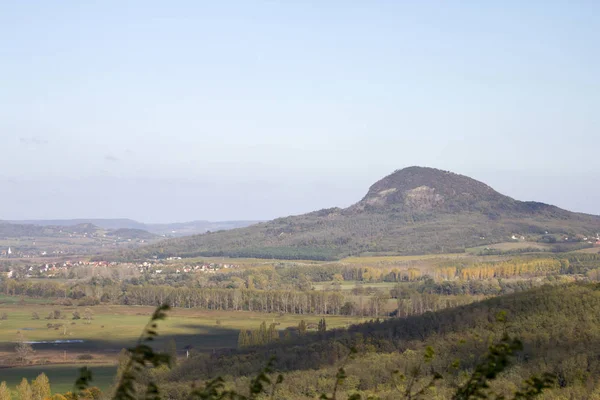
(428, 265)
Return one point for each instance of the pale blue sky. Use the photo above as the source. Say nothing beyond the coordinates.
(181, 110)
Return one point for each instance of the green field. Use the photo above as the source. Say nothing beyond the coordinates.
(116, 327)
(61, 377)
(4, 300)
(390, 260)
(512, 246)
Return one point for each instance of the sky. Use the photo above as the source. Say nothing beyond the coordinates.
(223, 110)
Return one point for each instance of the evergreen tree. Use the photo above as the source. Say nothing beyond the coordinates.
(40, 387)
(322, 326)
(243, 339)
(302, 328)
(171, 350)
(273, 334)
(5, 393)
(255, 338)
(122, 360)
(24, 390)
(263, 334)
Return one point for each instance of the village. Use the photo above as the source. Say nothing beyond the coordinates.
(66, 269)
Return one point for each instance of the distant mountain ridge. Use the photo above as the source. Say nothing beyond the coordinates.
(169, 229)
(12, 230)
(413, 210)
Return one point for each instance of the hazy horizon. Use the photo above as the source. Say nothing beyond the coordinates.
(236, 111)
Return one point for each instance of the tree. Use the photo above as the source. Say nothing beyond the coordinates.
(35, 315)
(272, 333)
(263, 335)
(322, 326)
(92, 393)
(88, 315)
(171, 350)
(5, 393)
(76, 315)
(243, 339)
(23, 349)
(24, 390)
(302, 328)
(40, 387)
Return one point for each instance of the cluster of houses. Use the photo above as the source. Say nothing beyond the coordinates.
(595, 240)
(577, 238)
(207, 268)
(153, 267)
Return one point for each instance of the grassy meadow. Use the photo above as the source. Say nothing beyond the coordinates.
(115, 327)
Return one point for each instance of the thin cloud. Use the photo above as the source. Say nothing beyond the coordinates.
(110, 157)
(33, 140)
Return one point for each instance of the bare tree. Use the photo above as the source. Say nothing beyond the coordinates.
(23, 349)
(88, 315)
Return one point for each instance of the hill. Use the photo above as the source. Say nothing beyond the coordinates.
(9, 230)
(558, 325)
(118, 223)
(170, 229)
(129, 233)
(412, 211)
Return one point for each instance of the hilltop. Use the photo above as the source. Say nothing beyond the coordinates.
(413, 210)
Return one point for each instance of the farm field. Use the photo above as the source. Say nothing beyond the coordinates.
(115, 327)
(590, 250)
(242, 261)
(508, 246)
(366, 260)
(6, 300)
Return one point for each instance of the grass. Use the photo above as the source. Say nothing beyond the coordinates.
(590, 250)
(62, 377)
(397, 259)
(508, 246)
(4, 299)
(116, 327)
(242, 262)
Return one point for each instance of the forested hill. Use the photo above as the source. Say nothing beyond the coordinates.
(8, 230)
(558, 325)
(414, 210)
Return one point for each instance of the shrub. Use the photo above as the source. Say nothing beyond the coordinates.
(88, 301)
